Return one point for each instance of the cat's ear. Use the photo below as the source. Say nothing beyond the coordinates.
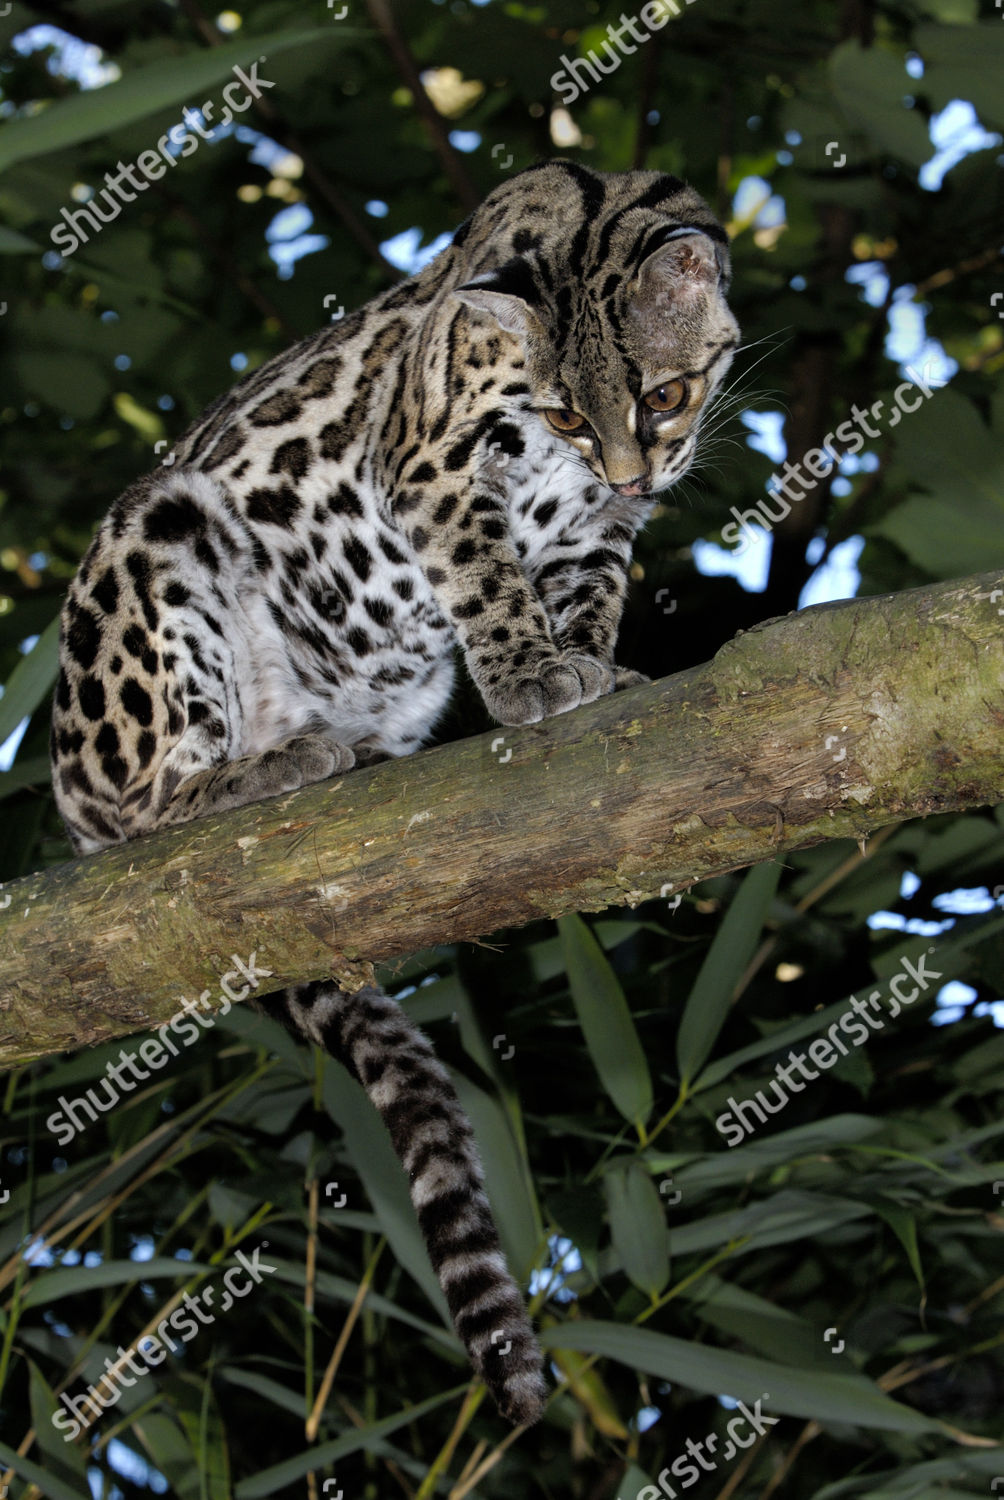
(687, 264)
(510, 295)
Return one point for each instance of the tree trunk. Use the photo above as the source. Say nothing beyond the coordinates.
(825, 724)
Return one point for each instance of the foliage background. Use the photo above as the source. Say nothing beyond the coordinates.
(870, 1207)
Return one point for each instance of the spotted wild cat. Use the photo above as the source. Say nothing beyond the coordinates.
(465, 461)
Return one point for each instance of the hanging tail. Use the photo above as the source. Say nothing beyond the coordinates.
(432, 1136)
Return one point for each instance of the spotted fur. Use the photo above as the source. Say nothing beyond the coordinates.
(463, 462)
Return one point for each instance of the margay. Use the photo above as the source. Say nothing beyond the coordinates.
(464, 461)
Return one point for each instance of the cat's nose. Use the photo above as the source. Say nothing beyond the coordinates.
(632, 486)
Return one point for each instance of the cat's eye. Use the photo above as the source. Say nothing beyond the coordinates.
(667, 397)
(563, 420)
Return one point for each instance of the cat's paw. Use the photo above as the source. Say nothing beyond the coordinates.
(559, 684)
(624, 677)
(295, 763)
(311, 757)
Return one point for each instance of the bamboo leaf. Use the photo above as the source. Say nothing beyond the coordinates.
(506, 1180)
(954, 954)
(731, 950)
(170, 1451)
(813, 1394)
(782, 1219)
(904, 1226)
(36, 770)
(208, 1439)
(761, 1154)
(12, 242)
(904, 1483)
(48, 1484)
(587, 1386)
(341, 1289)
(637, 1225)
(767, 1329)
(637, 1484)
(368, 1437)
(144, 91)
(606, 1021)
(277, 1395)
(50, 1286)
(30, 680)
(63, 1460)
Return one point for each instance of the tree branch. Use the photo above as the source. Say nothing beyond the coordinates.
(821, 725)
(284, 135)
(436, 127)
(646, 101)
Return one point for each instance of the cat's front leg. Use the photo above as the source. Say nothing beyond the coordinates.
(581, 579)
(460, 536)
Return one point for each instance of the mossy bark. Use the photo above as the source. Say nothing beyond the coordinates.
(826, 724)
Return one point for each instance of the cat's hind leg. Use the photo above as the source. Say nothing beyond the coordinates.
(158, 712)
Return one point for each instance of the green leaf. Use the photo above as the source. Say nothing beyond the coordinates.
(783, 1219)
(952, 12)
(279, 1396)
(48, 1484)
(770, 1330)
(760, 1154)
(904, 1226)
(578, 1213)
(942, 539)
(146, 423)
(14, 243)
(606, 1021)
(36, 770)
(63, 1460)
(953, 956)
(269, 1481)
(637, 1225)
(340, 1289)
(30, 680)
(869, 84)
(906, 1483)
(50, 1286)
(73, 384)
(951, 452)
(635, 1483)
(208, 1440)
(813, 1394)
(171, 81)
(169, 1450)
(731, 949)
(965, 62)
(509, 1188)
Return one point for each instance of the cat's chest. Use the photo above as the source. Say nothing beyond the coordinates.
(549, 492)
(345, 626)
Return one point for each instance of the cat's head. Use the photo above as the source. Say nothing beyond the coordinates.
(615, 285)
